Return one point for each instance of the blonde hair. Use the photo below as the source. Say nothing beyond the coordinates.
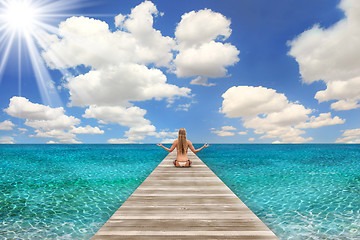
(182, 143)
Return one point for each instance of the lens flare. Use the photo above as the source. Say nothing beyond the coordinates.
(25, 22)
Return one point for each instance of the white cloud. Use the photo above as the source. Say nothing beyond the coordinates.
(183, 107)
(350, 136)
(23, 130)
(7, 140)
(138, 133)
(153, 47)
(200, 27)
(87, 130)
(89, 42)
(21, 107)
(225, 131)
(124, 64)
(242, 133)
(228, 128)
(332, 55)
(132, 117)
(250, 101)
(166, 134)
(129, 117)
(48, 122)
(208, 60)
(324, 119)
(251, 139)
(119, 141)
(345, 104)
(6, 125)
(168, 140)
(200, 52)
(117, 85)
(60, 134)
(271, 114)
(203, 81)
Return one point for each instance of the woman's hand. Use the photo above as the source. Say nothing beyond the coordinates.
(159, 144)
(206, 145)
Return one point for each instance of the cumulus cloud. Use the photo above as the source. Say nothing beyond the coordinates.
(87, 130)
(228, 128)
(201, 52)
(200, 27)
(154, 47)
(324, 119)
(132, 117)
(48, 122)
(332, 55)
(165, 134)
(7, 140)
(119, 141)
(225, 131)
(87, 41)
(203, 81)
(118, 60)
(117, 85)
(183, 107)
(168, 140)
(350, 136)
(129, 117)
(242, 133)
(22, 130)
(6, 125)
(272, 114)
(208, 60)
(21, 107)
(123, 65)
(345, 104)
(60, 134)
(250, 101)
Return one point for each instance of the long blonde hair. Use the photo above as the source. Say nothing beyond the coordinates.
(182, 143)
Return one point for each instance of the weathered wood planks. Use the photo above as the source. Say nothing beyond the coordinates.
(183, 203)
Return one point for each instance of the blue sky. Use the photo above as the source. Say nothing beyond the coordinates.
(249, 71)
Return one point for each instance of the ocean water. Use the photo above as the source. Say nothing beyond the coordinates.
(309, 191)
(67, 191)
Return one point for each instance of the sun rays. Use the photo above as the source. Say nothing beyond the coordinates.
(22, 25)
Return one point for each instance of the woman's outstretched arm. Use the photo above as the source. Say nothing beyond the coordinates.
(196, 150)
(168, 149)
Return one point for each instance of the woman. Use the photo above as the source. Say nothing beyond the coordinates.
(182, 145)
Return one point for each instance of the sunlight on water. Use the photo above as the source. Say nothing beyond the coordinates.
(67, 191)
(70, 191)
(299, 191)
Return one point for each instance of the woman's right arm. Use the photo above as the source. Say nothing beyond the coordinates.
(196, 150)
(168, 149)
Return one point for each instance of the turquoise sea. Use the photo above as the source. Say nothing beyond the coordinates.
(309, 191)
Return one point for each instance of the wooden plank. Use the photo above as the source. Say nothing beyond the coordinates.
(183, 203)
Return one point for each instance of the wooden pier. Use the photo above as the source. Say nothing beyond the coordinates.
(183, 203)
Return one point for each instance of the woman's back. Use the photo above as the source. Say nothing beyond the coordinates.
(181, 155)
(182, 145)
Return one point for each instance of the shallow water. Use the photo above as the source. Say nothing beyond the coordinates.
(309, 191)
(67, 191)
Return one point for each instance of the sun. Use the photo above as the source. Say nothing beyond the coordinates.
(20, 15)
(23, 23)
